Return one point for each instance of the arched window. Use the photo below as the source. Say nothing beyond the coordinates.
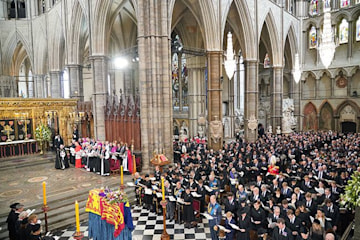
(22, 82)
(357, 1)
(327, 4)
(312, 37)
(344, 3)
(313, 7)
(358, 29)
(343, 31)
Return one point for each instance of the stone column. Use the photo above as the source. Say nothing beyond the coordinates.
(39, 86)
(76, 81)
(30, 85)
(155, 79)
(277, 96)
(100, 73)
(349, 81)
(231, 106)
(251, 98)
(128, 82)
(296, 96)
(317, 86)
(214, 63)
(195, 82)
(3, 10)
(332, 86)
(56, 90)
(351, 39)
(31, 8)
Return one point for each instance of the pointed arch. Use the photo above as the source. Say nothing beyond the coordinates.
(310, 121)
(57, 40)
(251, 45)
(291, 36)
(326, 120)
(270, 25)
(341, 106)
(10, 45)
(74, 36)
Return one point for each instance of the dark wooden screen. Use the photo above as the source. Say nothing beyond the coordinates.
(122, 120)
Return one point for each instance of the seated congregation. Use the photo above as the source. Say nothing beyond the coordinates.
(280, 187)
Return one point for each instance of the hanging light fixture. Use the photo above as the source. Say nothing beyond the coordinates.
(296, 70)
(230, 64)
(327, 45)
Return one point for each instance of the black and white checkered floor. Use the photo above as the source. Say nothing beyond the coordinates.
(149, 226)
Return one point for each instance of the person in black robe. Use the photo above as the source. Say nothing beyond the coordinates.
(188, 208)
(12, 218)
(97, 164)
(105, 163)
(244, 223)
(75, 134)
(147, 197)
(61, 161)
(72, 152)
(258, 217)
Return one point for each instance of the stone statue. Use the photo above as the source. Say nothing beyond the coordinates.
(278, 130)
(216, 130)
(270, 129)
(201, 126)
(183, 132)
(288, 120)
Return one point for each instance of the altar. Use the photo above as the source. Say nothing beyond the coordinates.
(16, 148)
(19, 117)
(109, 215)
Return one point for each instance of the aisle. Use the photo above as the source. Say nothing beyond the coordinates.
(148, 226)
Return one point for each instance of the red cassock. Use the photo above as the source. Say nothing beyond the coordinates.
(130, 161)
(78, 157)
(274, 170)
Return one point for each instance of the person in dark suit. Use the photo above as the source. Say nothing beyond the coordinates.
(331, 211)
(12, 218)
(229, 220)
(281, 232)
(230, 203)
(258, 216)
(244, 225)
(310, 204)
(293, 223)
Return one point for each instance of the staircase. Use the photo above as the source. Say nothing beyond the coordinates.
(61, 213)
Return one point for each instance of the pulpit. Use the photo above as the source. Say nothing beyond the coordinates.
(160, 160)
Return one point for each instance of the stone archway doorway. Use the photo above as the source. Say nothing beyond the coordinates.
(348, 127)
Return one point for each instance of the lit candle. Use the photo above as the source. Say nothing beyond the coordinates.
(44, 192)
(77, 218)
(122, 176)
(163, 188)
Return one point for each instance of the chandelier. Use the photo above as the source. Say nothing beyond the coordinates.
(297, 71)
(327, 45)
(230, 64)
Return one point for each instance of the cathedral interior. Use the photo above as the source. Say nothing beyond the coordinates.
(150, 72)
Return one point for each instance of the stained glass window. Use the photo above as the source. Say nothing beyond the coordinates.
(312, 37)
(313, 7)
(344, 3)
(343, 31)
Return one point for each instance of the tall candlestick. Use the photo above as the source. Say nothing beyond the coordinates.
(77, 218)
(122, 175)
(44, 192)
(163, 188)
